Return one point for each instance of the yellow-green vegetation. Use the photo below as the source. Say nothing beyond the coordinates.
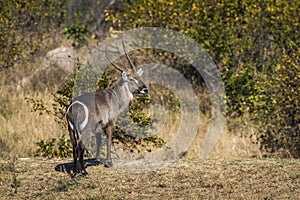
(255, 45)
(35, 20)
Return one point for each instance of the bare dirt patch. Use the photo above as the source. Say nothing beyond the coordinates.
(185, 179)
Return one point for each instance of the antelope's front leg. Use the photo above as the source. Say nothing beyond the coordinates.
(109, 132)
(98, 147)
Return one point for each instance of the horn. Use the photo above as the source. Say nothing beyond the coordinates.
(113, 64)
(130, 62)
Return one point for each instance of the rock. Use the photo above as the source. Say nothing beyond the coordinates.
(62, 58)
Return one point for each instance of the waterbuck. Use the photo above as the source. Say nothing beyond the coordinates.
(96, 113)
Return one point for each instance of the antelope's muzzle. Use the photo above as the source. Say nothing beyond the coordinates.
(144, 90)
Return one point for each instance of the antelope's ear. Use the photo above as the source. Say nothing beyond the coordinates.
(140, 72)
(124, 76)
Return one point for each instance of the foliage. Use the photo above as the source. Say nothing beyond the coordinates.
(136, 111)
(38, 105)
(77, 34)
(53, 148)
(136, 136)
(250, 41)
(254, 43)
(87, 12)
(277, 108)
(20, 18)
(138, 144)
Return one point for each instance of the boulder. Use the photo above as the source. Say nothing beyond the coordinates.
(62, 58)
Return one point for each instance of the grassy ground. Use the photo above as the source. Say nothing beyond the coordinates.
(184, 179)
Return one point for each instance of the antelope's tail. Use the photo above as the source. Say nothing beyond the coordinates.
(77, 116)
(76, 126)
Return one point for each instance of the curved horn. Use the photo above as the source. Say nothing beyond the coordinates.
(113, 64)
(130, 62)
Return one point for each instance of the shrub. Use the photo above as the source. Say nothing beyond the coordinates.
(24, 25)
(52, 148)
(250, 41)
(77, 34)
(276, 107)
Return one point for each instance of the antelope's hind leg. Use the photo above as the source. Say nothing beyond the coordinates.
(76, 154)
(75, 170)
(81, 154)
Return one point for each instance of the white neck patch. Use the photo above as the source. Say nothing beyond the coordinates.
(136, 81)
(128, 91)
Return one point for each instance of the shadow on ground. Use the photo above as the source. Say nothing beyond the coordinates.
(68, 167)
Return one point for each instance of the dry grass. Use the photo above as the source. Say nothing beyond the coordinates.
(229, 145)
(21, 128)
(232, 144)
(184, 179)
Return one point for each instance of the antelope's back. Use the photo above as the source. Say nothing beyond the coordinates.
(106, 105)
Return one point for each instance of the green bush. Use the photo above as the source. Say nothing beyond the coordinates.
(255, 45)
(249, 40)
(77, 34)
(276, 107)
(24, 26)
(53, 148)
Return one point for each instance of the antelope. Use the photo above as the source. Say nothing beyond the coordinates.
(96, 113)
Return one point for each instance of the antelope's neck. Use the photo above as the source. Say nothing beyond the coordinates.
(123, 94)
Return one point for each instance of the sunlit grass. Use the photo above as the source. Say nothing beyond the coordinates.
(21, 128)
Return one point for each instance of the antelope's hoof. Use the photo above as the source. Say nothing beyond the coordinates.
(108, 164)
(75, 175)
(97, 162)
(84, 173)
